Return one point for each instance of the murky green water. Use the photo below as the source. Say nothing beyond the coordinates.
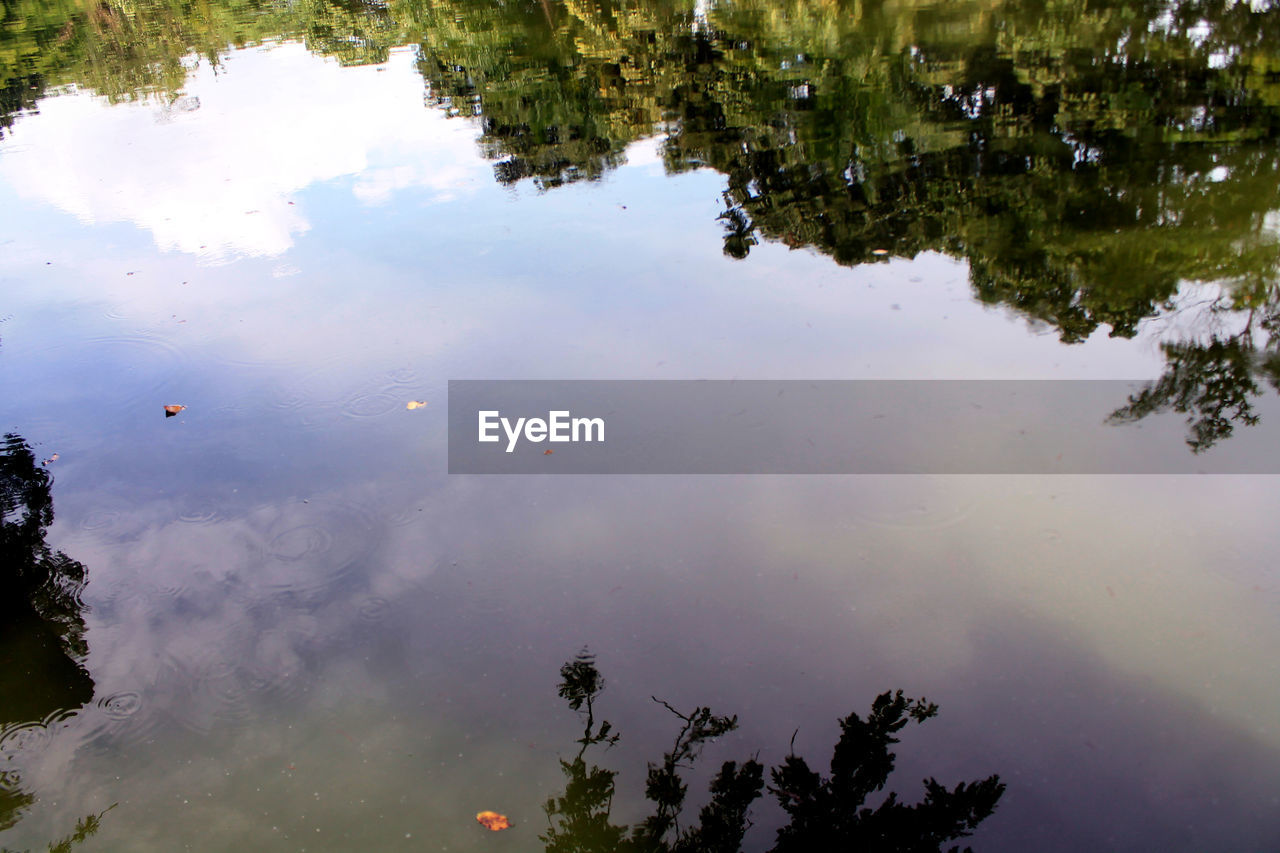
(274, 622)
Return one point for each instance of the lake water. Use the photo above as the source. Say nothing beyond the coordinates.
(274, 621)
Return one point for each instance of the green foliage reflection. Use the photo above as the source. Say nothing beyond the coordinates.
(1087, 160)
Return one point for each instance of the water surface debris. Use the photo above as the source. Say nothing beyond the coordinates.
(170, 411)
(493, 821)
(415, 404)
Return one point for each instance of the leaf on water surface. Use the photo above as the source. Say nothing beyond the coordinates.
(548, 452)
(415, 404)
(170, 411)
(493, 821)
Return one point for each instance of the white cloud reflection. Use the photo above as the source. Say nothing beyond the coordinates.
(216, 175)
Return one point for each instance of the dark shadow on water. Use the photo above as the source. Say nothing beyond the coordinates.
(42, 644)
(824, 812)
(41, 621)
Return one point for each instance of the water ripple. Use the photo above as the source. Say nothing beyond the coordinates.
(374, 609)
(370, 405)
(402, 376)
(300, 542)
(24, 737)
(154, 360)
(99, 519)
(120, 706)
(200, 515)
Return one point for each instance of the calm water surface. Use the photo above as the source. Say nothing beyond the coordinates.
(274, 622)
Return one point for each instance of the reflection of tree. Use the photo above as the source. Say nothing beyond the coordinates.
(560, 88)
(125, 49)
(1214, 382)
(85, 827)
(1085, 159)
(13, 800)
(830, 813)
(824, 813)
(42, 644)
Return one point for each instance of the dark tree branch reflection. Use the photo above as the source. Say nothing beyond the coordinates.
(84, 828)
(1215, 382)
(42, 645)
(825, 813)
(41, 621)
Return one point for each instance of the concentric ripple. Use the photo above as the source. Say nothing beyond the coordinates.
(149, 362)
(374, 609)
(199, 515)
(370, 405)
(120, 706)
(300, 542)
(402, 376)
(99, 519)
(24, 737)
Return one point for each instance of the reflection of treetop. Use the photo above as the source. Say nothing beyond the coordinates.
(824, 813)
(1084, 157)
(42, 644)
(35, 579)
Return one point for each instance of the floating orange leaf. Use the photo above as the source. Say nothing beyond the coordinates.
(548, 452)
(415, 404)
(493, 821)
(170, 411)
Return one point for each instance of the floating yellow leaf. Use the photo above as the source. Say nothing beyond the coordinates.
(170, 411)
(493, 821)
(415, 404)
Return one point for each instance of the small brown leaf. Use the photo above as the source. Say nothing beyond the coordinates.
(493, 821)
(170, 411)
(548, 452)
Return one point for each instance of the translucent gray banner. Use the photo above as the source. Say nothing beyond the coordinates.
(848, 427)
